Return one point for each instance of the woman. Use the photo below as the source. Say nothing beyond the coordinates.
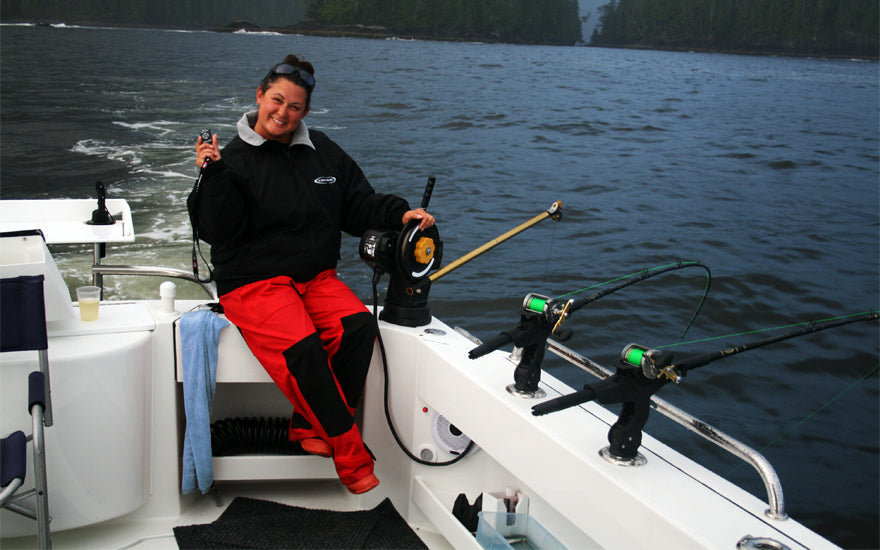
(272, 204)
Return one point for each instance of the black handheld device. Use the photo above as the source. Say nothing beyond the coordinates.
(205, 134)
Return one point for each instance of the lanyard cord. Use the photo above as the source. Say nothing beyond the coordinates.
(196, 247)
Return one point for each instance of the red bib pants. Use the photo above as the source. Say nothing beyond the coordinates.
(315, 339)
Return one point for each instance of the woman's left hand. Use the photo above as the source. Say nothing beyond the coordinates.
(427, 220)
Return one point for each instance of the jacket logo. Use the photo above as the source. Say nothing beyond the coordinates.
(326, 180)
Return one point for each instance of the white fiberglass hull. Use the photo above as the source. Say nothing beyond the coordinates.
(583, 500)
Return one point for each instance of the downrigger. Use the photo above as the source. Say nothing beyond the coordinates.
(407, 256)
(410, 254)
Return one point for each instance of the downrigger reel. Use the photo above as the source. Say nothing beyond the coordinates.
(407, 255)
(410, 254)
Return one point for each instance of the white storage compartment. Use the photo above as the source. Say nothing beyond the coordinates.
(98, 450)
(244, 389)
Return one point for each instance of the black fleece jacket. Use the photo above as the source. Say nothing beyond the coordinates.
(272, 209)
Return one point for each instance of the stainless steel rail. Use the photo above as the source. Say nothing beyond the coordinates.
(99, 270)
(712, 434)
(735, 447)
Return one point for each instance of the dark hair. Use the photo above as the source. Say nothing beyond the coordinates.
(293, 61)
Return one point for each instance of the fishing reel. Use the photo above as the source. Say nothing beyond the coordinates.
(407, 255)
(550, 310)
(652, 363)
(536, 304)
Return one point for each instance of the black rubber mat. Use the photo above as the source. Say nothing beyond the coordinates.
(251, 523)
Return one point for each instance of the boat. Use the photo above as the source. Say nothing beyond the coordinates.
(451, 421)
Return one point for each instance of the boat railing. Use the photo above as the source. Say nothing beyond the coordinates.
(99, 270)
(720, 439)
(717, 437)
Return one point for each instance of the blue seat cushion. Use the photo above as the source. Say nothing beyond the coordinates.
(13, 457)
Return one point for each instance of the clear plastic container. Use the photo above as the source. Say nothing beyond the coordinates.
(499, 531)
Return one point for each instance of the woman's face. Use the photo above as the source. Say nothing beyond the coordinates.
(281, 108)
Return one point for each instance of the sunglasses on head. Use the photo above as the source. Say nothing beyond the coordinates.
(303, 74)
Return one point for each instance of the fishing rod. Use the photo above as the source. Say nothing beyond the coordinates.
(647, 274)
(556, 311)
(542, 316)
(643, 371)
(656, 363)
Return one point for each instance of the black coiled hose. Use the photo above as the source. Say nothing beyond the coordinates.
(252, 435)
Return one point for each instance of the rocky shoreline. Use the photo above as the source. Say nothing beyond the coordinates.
(311, 28)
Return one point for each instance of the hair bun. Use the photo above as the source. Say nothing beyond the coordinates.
(294, 60)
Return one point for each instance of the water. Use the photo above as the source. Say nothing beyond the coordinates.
(765, 169)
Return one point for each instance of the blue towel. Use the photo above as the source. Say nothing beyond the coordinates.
(199, 336)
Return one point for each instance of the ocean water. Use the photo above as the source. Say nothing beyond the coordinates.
(763, 168)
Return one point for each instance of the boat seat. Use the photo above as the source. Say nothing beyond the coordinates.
(23, 328)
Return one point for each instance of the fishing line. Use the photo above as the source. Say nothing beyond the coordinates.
(812, 414)
(549, 255)
(758, 331)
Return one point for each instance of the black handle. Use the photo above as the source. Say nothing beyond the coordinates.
(564, 401)
(101, 216)
(491, 345)
(429, 189)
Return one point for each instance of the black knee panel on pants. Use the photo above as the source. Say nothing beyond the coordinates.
(307, 363)
(352, 360)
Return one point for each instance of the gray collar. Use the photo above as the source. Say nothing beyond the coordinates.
(246, 132)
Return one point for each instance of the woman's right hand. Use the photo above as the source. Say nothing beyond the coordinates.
(207, 151)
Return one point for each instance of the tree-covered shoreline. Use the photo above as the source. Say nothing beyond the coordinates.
(188, 14)
(820, 28)
(842, 28)
(512, 21)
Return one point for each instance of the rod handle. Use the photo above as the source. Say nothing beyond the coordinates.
(491, 345)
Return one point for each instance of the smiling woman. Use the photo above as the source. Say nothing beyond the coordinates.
(273, 204)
